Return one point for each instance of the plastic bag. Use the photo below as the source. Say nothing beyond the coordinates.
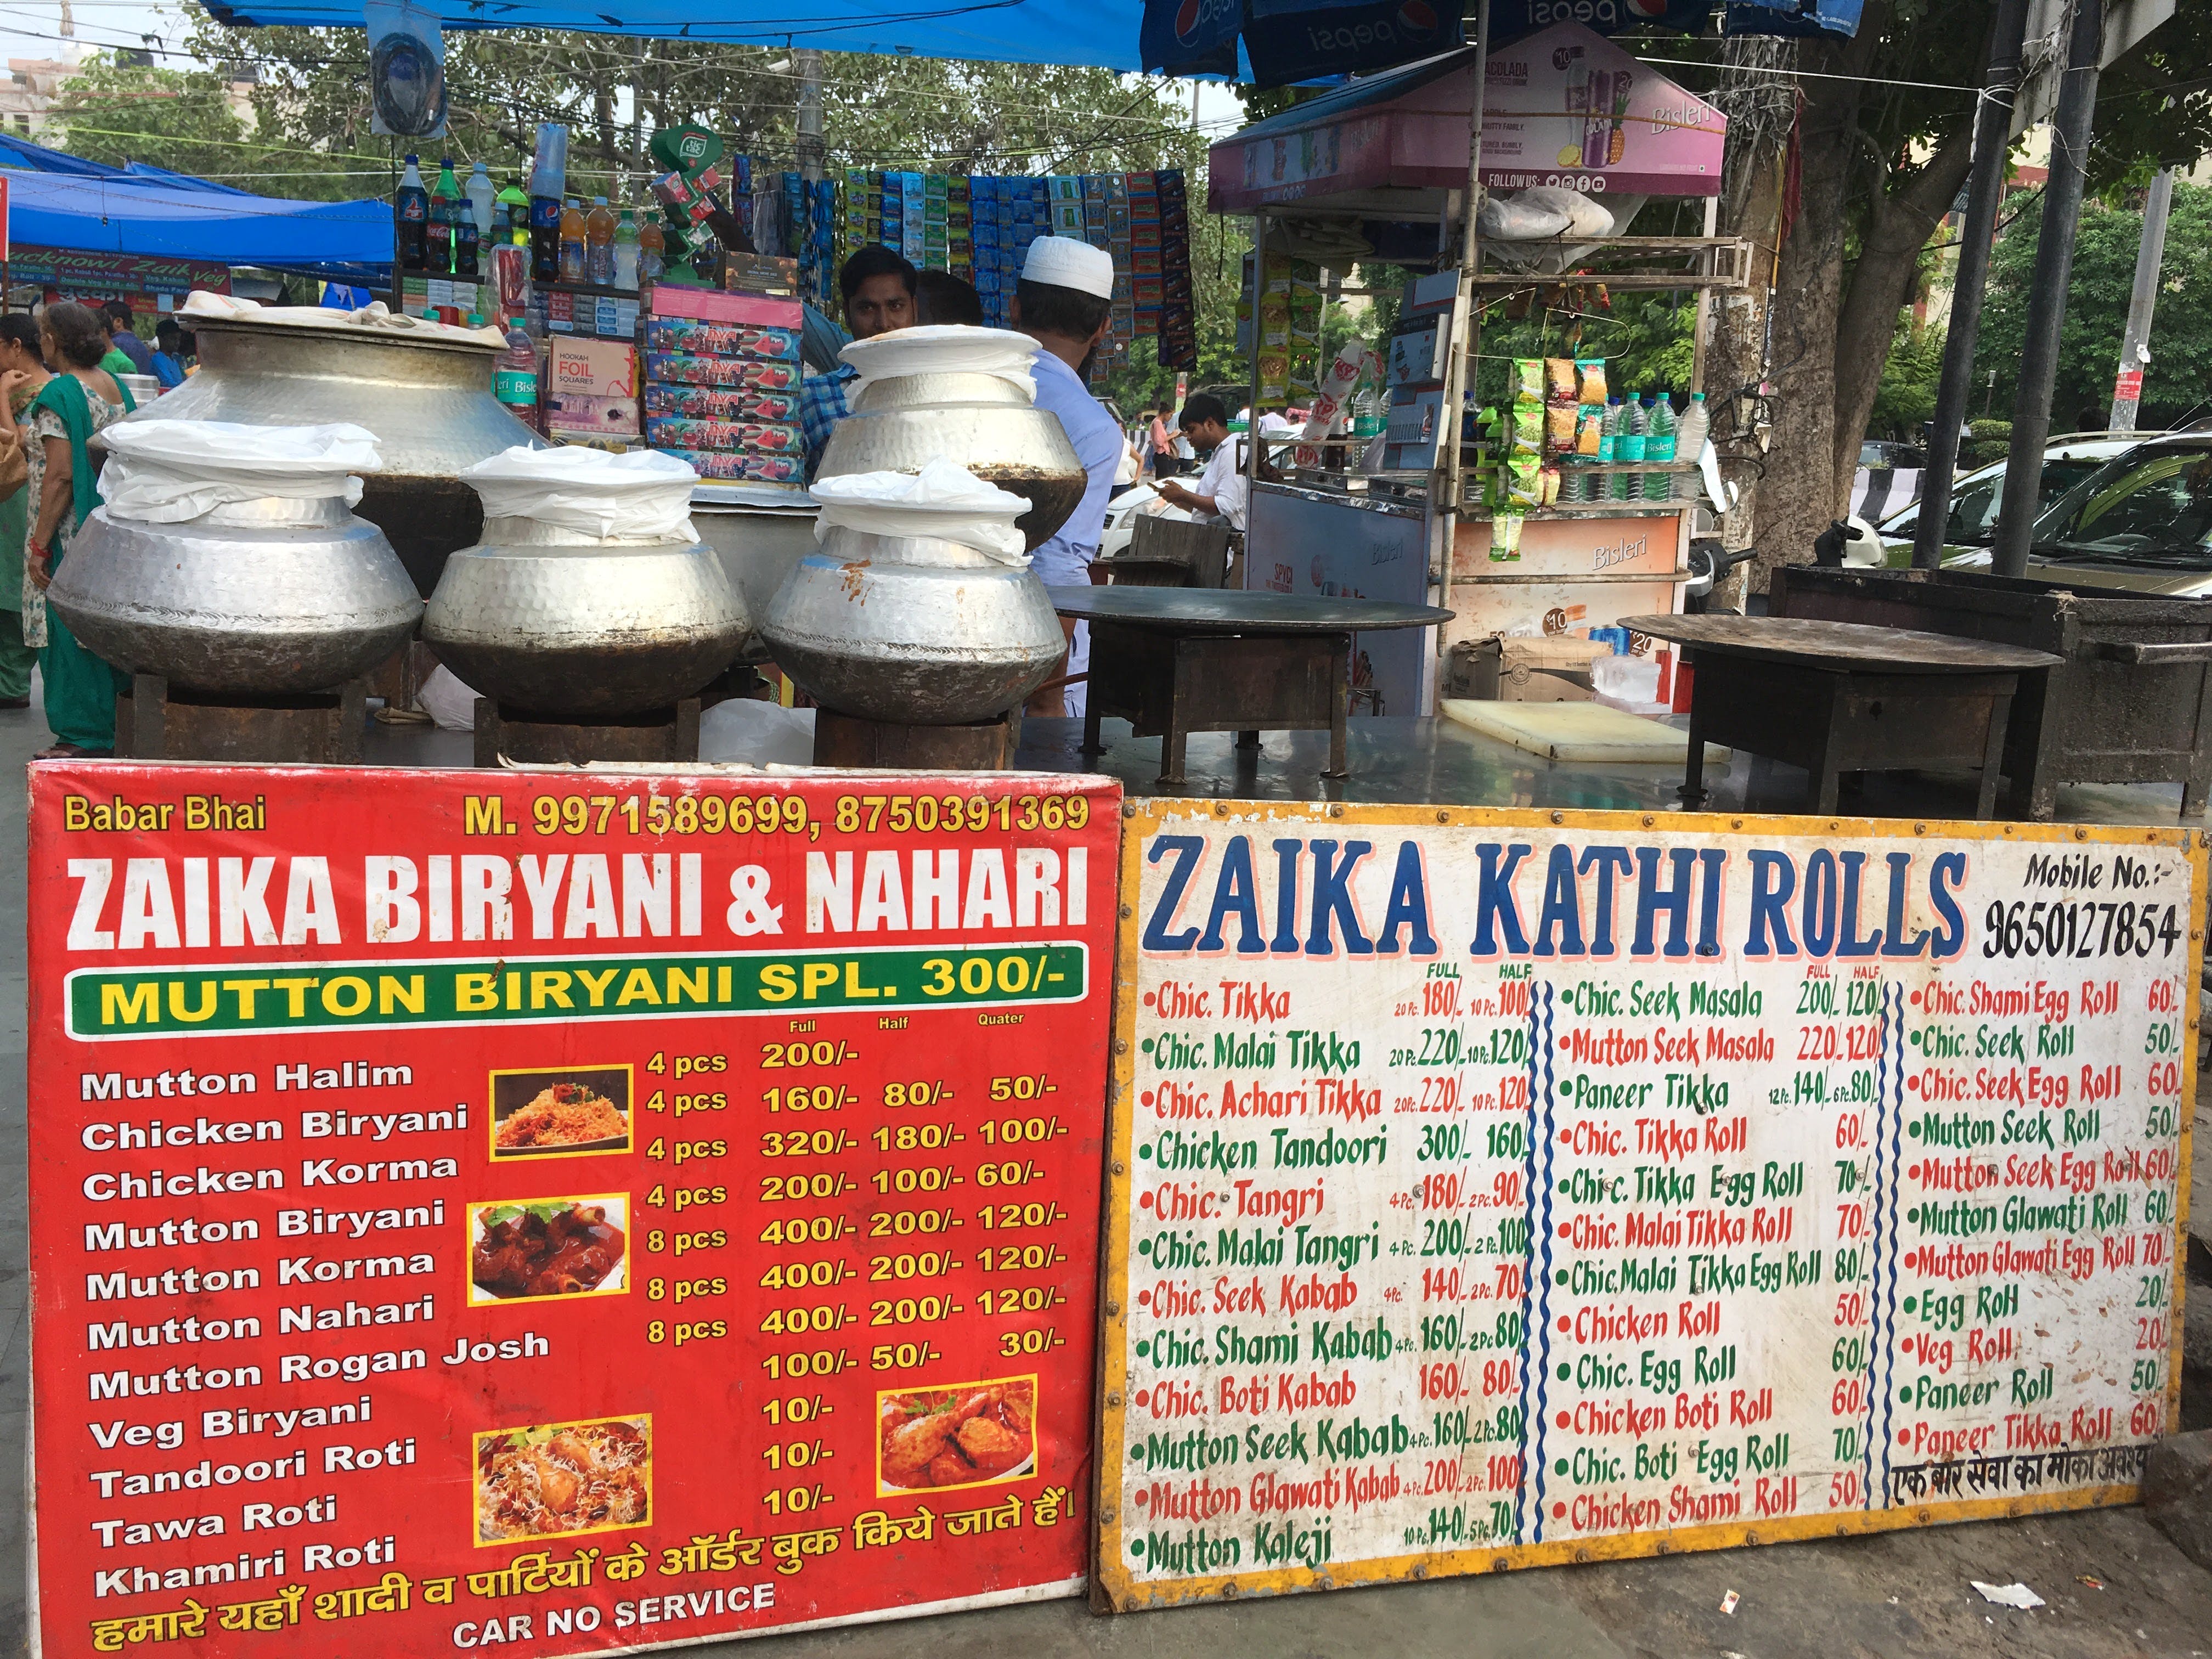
(451, 705)
(945, 501)
(1584, 217)
(1559, 380)
(1505, 539)
(1560, 427)
(944, 348)
(1590, 429)
(167, 472)
(1506, 219)
(1590, 373)
(756, 733)
(642, 496)
(1528, 380)
(406, 72)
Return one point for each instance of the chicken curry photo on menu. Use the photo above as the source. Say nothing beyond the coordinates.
(963, 1437)
(548, 1247)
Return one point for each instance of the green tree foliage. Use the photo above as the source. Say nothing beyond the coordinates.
(1909, 379)
(116, 112)
(2179, 377)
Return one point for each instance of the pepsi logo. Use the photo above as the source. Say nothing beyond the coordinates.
(1647, 8)
(1192, 16)
(1418, 17)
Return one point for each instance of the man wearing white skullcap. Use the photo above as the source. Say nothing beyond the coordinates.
(1064, 302)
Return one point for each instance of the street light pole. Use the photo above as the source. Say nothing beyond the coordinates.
(1985, 195)
(2071, 127)
(2134, 345)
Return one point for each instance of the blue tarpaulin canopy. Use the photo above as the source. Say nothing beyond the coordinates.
(61, 201)
(1078, 32)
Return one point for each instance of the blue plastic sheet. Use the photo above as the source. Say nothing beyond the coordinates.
(133, 213)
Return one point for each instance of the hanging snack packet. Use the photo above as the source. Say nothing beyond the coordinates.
(1560, 427)
(1528, 380)
(1559, 380)
(1590, 429)
(1525, 481)
(1528, 429)
(1590, 371)
(1550, 477)
(1505, 539)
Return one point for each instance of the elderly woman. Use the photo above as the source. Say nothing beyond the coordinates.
(80, 400)
(22, 624)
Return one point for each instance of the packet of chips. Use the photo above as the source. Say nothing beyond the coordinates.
(1528, 429)
(1505, 539)
(1560, 427)
(1528, 380)
(1524, 485)
(1559, 380)
(1590, 429)
(1590, 373)
(1550, 478)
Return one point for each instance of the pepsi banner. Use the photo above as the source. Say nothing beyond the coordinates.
(1290, 41)
(1191, 37)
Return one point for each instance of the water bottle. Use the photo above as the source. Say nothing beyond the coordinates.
(626, 250)
(1690, 444)
(481, 194)
(1659, 448)
(1628, 448)
(514, 374)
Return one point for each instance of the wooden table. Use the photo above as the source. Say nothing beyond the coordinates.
(1835, 697)
(1175, 660)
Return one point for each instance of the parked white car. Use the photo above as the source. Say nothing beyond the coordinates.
(1976, 496)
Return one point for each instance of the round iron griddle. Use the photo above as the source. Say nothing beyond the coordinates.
(1859, 647)
(1230, 610)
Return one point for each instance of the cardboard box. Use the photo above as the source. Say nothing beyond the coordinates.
(713, 305)
(572, 414)
(1513, 669)
(593, 368)
(762, 274)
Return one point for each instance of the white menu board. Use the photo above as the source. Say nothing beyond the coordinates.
(1493, 1189)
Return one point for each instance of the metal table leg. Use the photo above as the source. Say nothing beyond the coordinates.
(1339, 707)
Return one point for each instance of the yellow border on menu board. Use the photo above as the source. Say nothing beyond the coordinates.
(1115, 1590)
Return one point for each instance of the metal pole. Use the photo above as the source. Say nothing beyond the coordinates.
(2134, 345)
(1459, 371)
(808, 62)
(1985, 195)
(2046, 307)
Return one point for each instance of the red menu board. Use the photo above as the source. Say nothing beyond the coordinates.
(555, 1212)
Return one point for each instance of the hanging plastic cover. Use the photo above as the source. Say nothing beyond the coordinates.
(944, 502)
(944, 349)
(406, 70)
(167, 472)
(1830, 20)
(642, 496)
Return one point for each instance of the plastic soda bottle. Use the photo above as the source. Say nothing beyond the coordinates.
(466, 239)
(652, 250)
(571, 242)
(1689, 443)
(481, 193)
(515, 203)
(410, 212)
(599, 244)
(625, 246)
(445, 197)
(515, 372)
(1659, 448)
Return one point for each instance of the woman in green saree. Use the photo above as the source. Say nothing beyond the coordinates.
(80, 400)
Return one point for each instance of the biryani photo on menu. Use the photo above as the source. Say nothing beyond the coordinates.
(527, 1249)
(557, 1480)
(556, 1112)
(970, 1435)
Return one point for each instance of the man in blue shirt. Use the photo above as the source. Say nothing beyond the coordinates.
(1065, 302)
(878, 287)
(168, 354)
(116, 315)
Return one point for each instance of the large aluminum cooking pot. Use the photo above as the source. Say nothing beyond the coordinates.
(427, 399)
(761, 532)
(265, 596)
(913, 629)
(550, 622)
(979, 421)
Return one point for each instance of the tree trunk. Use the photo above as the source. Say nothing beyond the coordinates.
(1881, 283)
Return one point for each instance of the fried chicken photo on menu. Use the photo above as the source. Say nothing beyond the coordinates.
(957, 1438)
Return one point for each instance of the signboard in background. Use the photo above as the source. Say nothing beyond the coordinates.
(1573, 575)
(1499, 1189)
(565, 1213)
(131, 277)
(1315, 544)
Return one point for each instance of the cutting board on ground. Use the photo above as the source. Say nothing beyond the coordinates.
(1587, 732)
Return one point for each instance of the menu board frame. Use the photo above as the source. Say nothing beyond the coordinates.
(536, 1038)
(1115, 1589)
